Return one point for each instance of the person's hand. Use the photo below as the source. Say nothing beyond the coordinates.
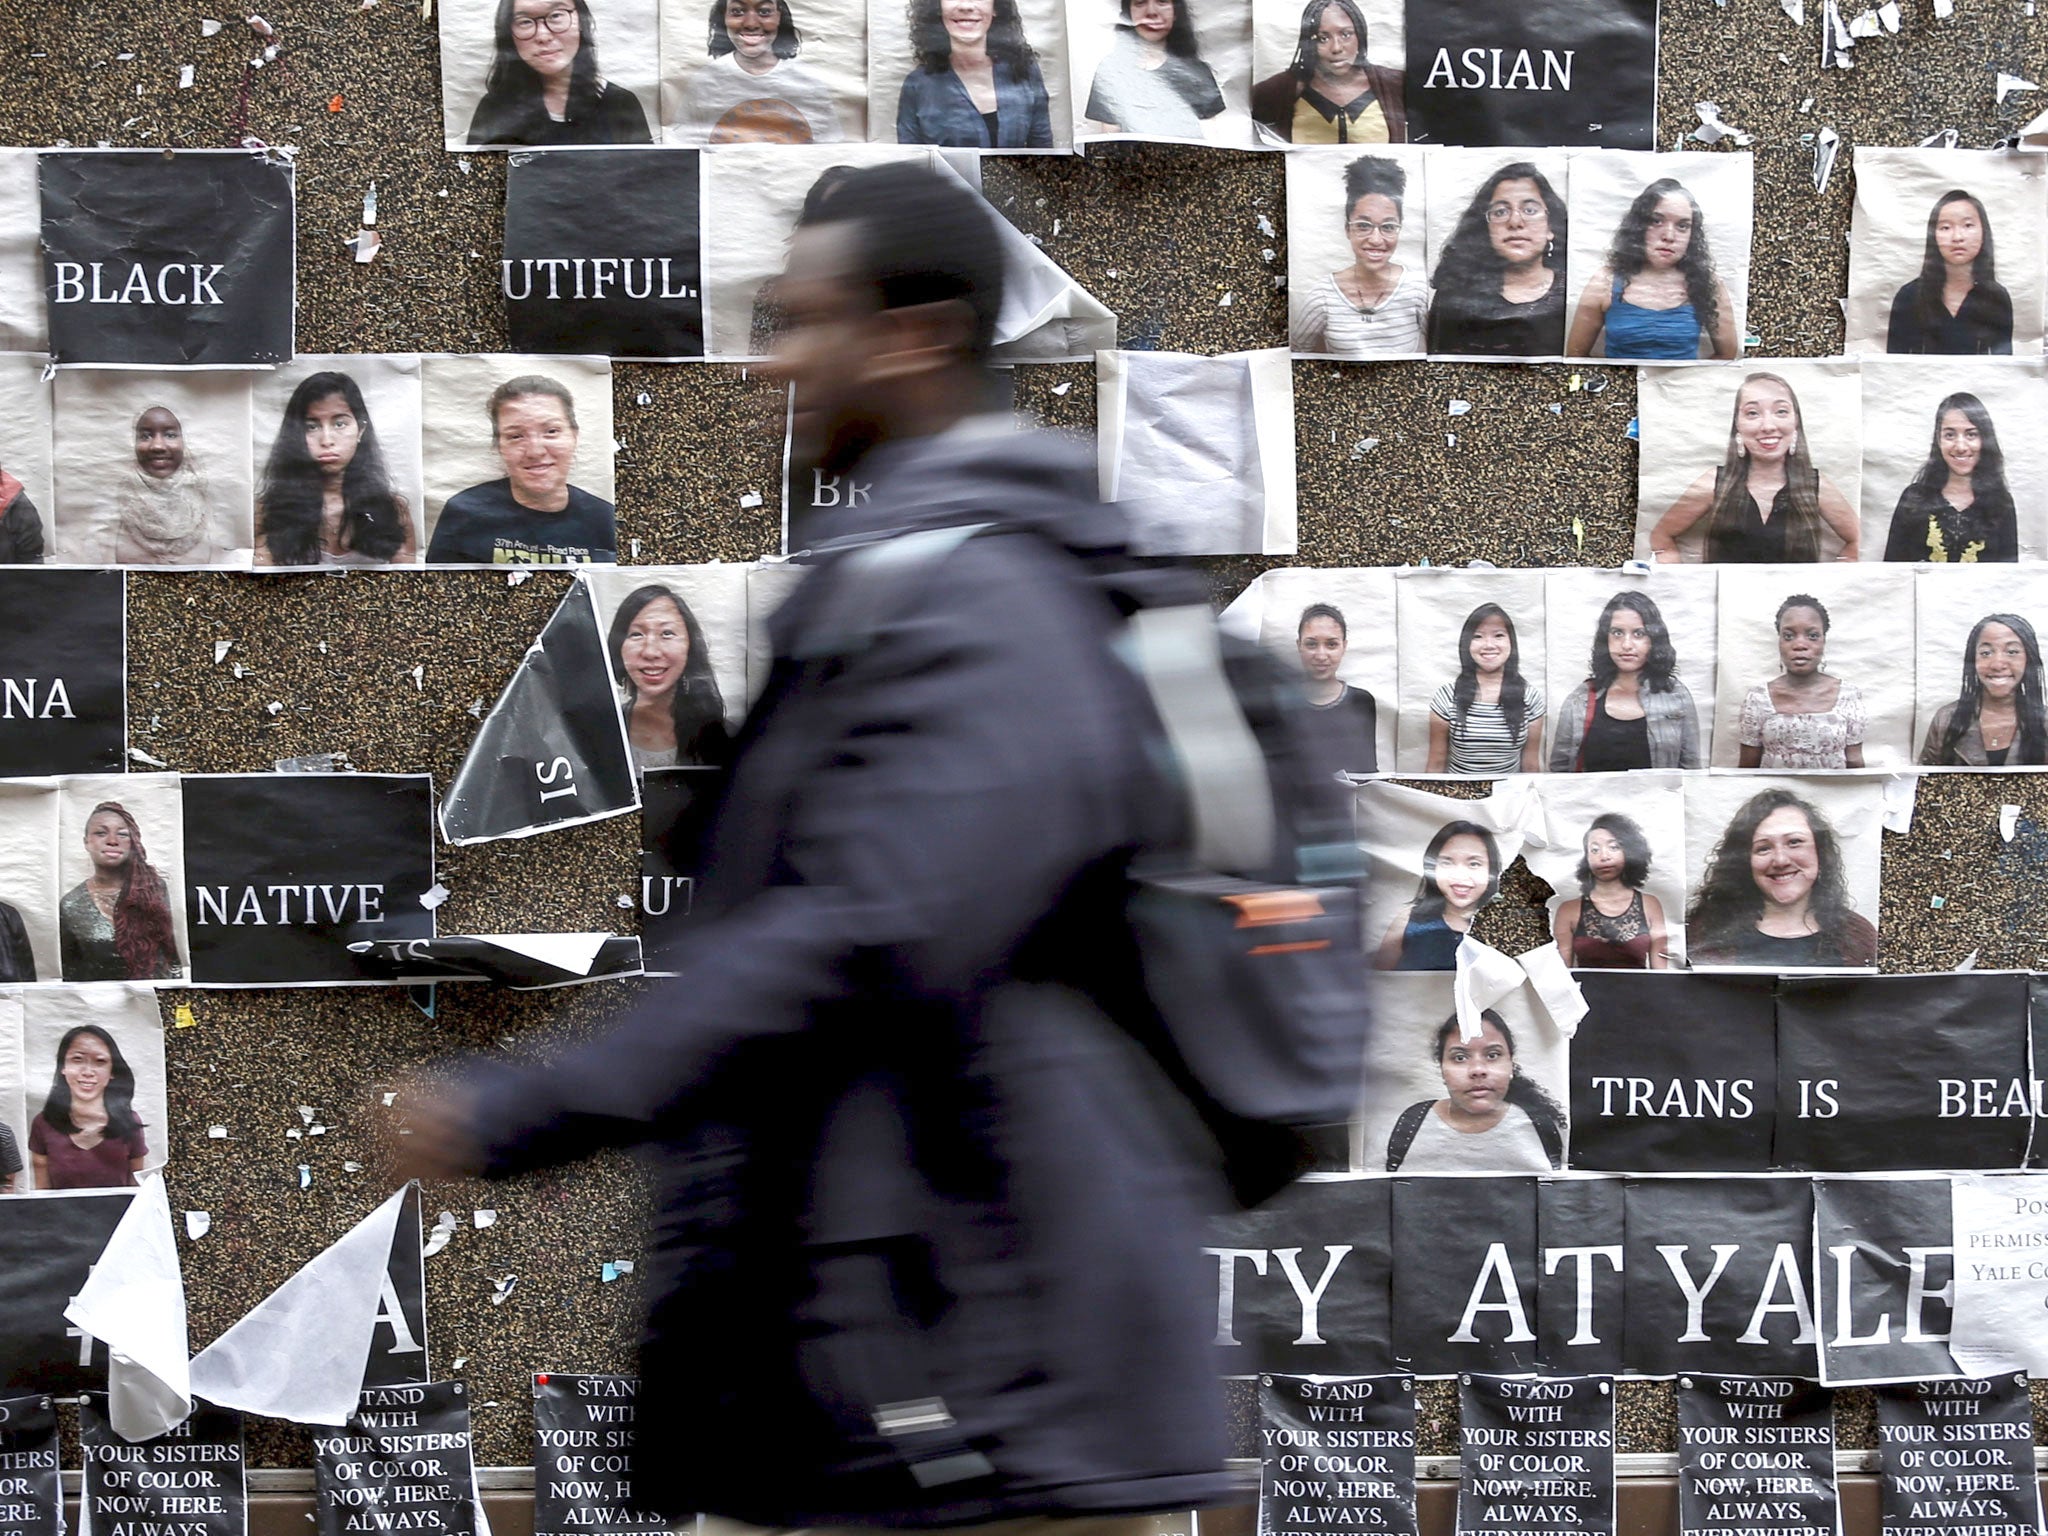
(428, 1134)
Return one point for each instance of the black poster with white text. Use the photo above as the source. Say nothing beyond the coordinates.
(1464, 1274)
(398, 1339)
(63, 672)
(48, 1246)
(601, 252)
(158, 259)
(1336, 1456)
(31, 1503)
(1885, 1261)
(1580, 1313)
(1536, 1455)
(192, 1480)
(1539, 72)
(1756, 1457)
(1957, 1458)
(1302, 1280)
(284, 871)
(401, 1463)
(582, 1436)
(675, 806)
(2037, 1029)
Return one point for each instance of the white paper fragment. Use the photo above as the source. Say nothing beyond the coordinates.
(459, 1362)
(1460, 407)
(1555, 987)
(518, 578)
(1806, 105)
(351, 1166)
(208, 27)
(624, 902)
(390, 1098)
(262, 28)
(501, 1287)
(217, 1132)
(1265, 228)
(484, 1219)
(1485, 976)
(1865, 24)
(306, 1114)
(418, 675)
(444, 1229)
(1943, 9)
(1888, 13)
(2009, 85)
(221, 649)
(1947, 138)
(1712, 129)
(275, 707)
(1796, 9)
(305, 1176)
(1969, 961)
(1826, 144)
(1836, 45)
(750, 499)
(2008, 822)
(198, 1224)
(1063, 387)
(430, 898)
(140, 756)
(294, 1134)
(1226, 301)
(370, 206)
(366, 243)
(476, 708)
(133, 1300)
(1901, 791)
(624, 1266)
(185, 74)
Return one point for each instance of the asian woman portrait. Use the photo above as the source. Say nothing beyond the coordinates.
(675, 717)
(1631, 711)
(1460, 874)
(1805, 717)
(163, 506)
(1658, 294)
(17, 959)
(1958, 507)
(1320, 640)
(1956, 305)
(1153, 79)
(1500, 278)
(753, 90)
(1613, 923)
(976, 83)
(1775, 893)
(1486, 720)
(115, 925)
(1765, 501)
(326, 496)
(1376, 307)
(87, 1134)
(2000, 717)
(1492, 1118)
(1329, 93)
(544, 86)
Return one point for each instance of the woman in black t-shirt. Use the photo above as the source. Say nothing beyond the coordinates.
(1320, 639)
(1956, 305)
(1500, 280)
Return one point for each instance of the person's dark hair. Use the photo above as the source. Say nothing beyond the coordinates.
(1370, 174)
(1323, 611)
(1928, 304)
(1661, 669)
(1181, 41)
(512, 84)
(1513, 692)
(2031, 704)
(1802, 484)
(531, 384)
(1544, 1112)
(1725, 909)
(373, 518)
(787, 39)
(1429, 901)
(1303, 65)
(143, 936)
(1801, 600)
(1469, 263)
(122, 1121)
(697, 707)
(1987, 480)
(1629, 254)
(1006, 41)
(1635, 851)
(924, 238)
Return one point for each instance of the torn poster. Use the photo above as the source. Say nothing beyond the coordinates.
(134, 1303)
(583, 1436)
(47, 1249)
(191, 1479)
(521, 961)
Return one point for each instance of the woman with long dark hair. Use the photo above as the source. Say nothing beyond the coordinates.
(87, 1135)
(1486, 721)
(675, 717)
(753, 90)
(115, 925)
(976, 83)
(1957, 508)
(1320, 640)
(1658, 293)
(1956, 305)
(544, 86)
(1631, 711)
(2000, 716)
(1806, 716)
(1153, 79)
(1460, 874)
(1765, 502)
(1493, 1119)
(326, 496)
(1613, 923)
(1500, 278)
(1375, 307)
(1329, 93)
(1775, 893)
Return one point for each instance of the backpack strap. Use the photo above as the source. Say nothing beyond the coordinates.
(1403, 1134)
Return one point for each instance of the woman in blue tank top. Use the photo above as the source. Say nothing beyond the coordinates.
(1657, 295)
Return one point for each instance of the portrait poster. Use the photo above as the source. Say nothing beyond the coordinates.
(1673, 606)
(1700, 429)
(813, 89)
(1674, 227)
(115, 1040)
(153, 469)
(1777, 655)
(1473, 315)
(1938, 1077)
(1465, 1274)
(1909, 227)
(464, 451)
(285, 871)
(28, 1449)
(1280, 611)
(28, 881)
(1174, 70)
(63, 672)
(1580, 1307)
(1492, 623)
(1356, 219)
(1199, 450)
(15, 1176)
(675, 808)
(1433, 864)
(382, 452)
(23, 325)
(601, 253)
(1756, 1456)
(125, 827)
(1957, 1457)
(1726, 818)
(1536, 1455)
(1558, 73)
(27, 451)
(192, 1479)
(1955, 611)
(1885, 1267)
(613, 49)
(404, 1448)
(1611, 840)
(1436, 1102)
(153, 259)
(1337, 1457)
(581, 1424)
(1931, 425)
(47, 1249)
(908, 104)
(1285, 57)
(1301, 1279)
(699, 670)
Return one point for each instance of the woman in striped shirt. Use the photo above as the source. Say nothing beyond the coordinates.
(1486, 722)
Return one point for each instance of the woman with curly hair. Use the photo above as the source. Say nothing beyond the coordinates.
(1956, 305)
(1658, 294)
(2000, 718)
(1775, 894)
(87, 1135)
(115, 925)
(326, 497)
(544, 86)
(976, 83)
(1958, 507)
(1631, 711)
(1493, 1118)
(675, 717)
(1500, 279)
(1806, 716)
(1613, 923)
(1153, 79)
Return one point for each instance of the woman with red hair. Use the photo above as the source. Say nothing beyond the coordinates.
(115, 925)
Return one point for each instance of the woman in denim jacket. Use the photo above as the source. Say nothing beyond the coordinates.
(1633, 712)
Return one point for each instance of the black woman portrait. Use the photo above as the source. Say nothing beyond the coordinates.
(115, 925)
(1330, 93)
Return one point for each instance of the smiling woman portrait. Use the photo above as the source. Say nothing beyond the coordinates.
(753, 90)
(544, 86)
(1775, 893)
(674, 714)
(163, 505)
(87, 1134)
(1958, 507)
(533, 515)
(1330, 93)
(2000, 716)
(1460, 874)
(1376, 306)
(976, 82)
(115, 925)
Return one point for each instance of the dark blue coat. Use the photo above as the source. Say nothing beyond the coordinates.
(936, 109)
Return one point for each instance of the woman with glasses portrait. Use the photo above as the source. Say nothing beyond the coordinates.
(1500, 280)
(544, 86)
(1376, 306)
(533, 516)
